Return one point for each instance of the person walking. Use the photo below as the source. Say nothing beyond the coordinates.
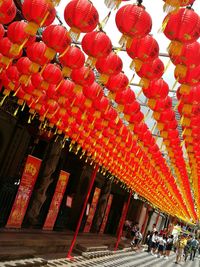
(194, 246)
(154, 243)
(180, 245)
(161, 245)
(169, 245)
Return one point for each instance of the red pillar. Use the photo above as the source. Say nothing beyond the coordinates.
(122, 222)
(94, 173)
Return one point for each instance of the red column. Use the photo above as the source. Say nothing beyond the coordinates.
(122, 222)
(94, 173)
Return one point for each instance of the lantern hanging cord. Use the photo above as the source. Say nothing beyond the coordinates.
(139, 2)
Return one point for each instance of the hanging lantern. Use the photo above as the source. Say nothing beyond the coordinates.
(93, 91)
(7, 11)
(110, 65)
(158, 104)
(189, 57)
(96, 45)
(124, 97)
(81, 16)
(131, 109)
(66, 91)
(142, 50)
(5, 50)
(188, 79)
(133, 22)
(172, 5)
(181, 27)
(150, 71)
(39, 13)
(117, 83)
(72, 59)
(51, 75)
(57, 38)
(26, 68)
(37, 53)
(17, 34)
(101, 104)
(82, 77)
(156, 89)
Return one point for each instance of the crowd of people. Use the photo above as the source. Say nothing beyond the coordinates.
(160, 244)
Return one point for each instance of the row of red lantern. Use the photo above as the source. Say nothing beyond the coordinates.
(144, 51)
(190, 123)
(186, 57)
(20, 93)
(48, 108)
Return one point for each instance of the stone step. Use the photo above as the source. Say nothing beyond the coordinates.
(13, 253)
(90, 248)
(37, 262)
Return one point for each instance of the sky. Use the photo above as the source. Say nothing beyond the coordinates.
(155, 9)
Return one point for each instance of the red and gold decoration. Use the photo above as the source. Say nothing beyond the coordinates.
(90, 100)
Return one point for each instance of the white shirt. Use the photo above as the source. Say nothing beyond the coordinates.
(154, 238)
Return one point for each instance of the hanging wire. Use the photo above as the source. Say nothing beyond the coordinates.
(139, 2)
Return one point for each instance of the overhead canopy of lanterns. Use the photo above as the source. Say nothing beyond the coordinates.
(82, 92)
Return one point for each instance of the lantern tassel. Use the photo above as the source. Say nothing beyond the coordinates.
(104, 22)
(3, 100)
(16, 111)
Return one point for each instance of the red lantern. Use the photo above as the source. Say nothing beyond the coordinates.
(93, 91)
(7, 11)
(81, 16)
(36, 53)
(66, 91)
(83, 77)
(160, 104)
(57, 38)
(117, 82)
(182, 27)
(52, 74)
(190, 78)
(131, 109)
(156, 89)
(150, 71)
(142, 50)
(72, 59)
(96, 44)
(110, 65)
(24, 66)
(101, 104)
(5, 48)
(124, 97)
(133, 22)
(39, 13)
(189, 57)
(136, 118)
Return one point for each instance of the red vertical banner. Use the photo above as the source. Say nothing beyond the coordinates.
(56, 200)
(122, 216)
(24, 193)
(103, 225)
(92, 210)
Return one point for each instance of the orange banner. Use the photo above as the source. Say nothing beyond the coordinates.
(56, 200)
(103, 225)
(92, 210)
(24, 193)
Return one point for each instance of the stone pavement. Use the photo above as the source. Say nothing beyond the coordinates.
(123, 258)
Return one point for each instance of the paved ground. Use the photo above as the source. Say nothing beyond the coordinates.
(124, 259)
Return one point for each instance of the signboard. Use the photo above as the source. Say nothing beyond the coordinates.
(56, 200)
(24, 193)
(92, 210)
(103, 225)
